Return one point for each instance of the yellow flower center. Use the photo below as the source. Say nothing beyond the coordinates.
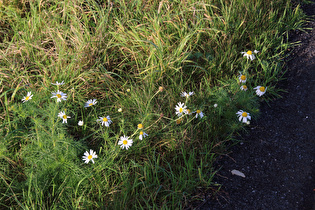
(243, 77)
(141, 133)
(262, 89)
(90, 157)
(105, 119)
(244, 114)
(27, 98)
(198, 111)
(180, 110)
(90, 104)
(125, 142)
(58, 95)
(140, 126)
(244, 87)
(64, 116)
(249, 52)
(161, 88)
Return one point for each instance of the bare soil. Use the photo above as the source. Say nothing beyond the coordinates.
(277, 155)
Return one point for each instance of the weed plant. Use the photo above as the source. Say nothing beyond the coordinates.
(135, 58)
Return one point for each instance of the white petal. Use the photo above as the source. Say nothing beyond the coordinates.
(238, 173)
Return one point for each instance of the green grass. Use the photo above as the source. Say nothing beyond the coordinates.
(121, 53)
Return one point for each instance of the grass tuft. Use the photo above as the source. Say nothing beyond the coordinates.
(136, 59)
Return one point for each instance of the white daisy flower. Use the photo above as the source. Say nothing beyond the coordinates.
(90, 102)
(242, 78)
(105, 120)
(188, 112)
(125, 142)
(140, 126)
(80, 123)
(184, 94)
(199, 113)
(120, 110)
(243, 116)
(249, 54)
(260, 90)
(142, 135)
(59, 95)
(27, 97)
(180, 109)
(215, 105)
(63, 116)
(89, 156)
(244, 87)
(57, 83)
